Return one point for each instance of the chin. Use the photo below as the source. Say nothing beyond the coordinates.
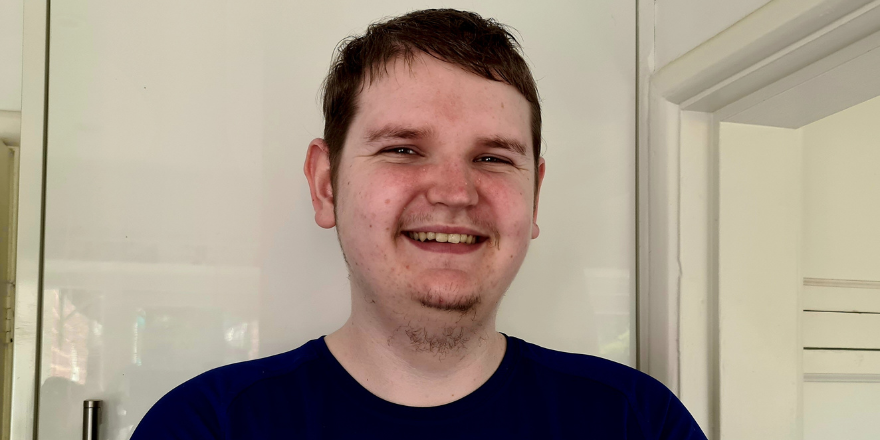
(449, 303)
(458, 296)
(452, 297)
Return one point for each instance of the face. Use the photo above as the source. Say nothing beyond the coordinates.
(435, 204)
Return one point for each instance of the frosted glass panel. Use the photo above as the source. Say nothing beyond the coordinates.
(179, 230)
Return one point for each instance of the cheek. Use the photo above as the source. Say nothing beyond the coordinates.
(371, 203)
(511, 203)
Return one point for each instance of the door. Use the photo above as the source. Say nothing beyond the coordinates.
(179, 230)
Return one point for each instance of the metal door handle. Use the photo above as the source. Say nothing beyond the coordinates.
(91, 417)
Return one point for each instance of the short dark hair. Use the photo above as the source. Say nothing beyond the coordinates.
(480, 46)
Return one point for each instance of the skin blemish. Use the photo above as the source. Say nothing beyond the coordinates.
(387, 201)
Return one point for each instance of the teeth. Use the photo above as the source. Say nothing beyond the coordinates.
(443, 238)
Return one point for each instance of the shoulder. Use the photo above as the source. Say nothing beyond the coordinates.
(626, 380)
(198, 406)
(658, 412)
(225, 383)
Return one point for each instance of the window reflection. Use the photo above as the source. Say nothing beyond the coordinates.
(71, 336)
(156, 345)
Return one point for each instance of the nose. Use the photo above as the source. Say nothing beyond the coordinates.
(452, 184)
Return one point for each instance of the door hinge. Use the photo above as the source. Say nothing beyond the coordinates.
(9, 312)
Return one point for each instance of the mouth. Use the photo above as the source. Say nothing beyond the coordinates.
(445, 242)
(441, 237)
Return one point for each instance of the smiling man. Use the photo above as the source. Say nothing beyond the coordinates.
(430, 171)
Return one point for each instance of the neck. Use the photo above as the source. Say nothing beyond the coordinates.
(424, 357)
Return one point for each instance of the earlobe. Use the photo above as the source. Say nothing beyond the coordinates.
(541, 168)
(317, 171)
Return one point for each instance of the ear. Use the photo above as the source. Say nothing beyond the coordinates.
(541, 168)
(317, 170)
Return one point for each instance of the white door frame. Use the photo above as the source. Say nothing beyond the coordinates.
(30, 221)
(780, 66)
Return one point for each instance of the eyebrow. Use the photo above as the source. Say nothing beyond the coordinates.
(402, 132)
(504, 144)
(398, 132)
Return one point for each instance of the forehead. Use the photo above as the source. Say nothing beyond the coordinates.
(427, 93)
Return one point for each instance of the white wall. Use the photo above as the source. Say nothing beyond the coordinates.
(842, 195)
(759, 282)
(681, 25)
(841, 254)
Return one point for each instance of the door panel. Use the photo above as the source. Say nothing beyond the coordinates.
(179, 228)
(841, 410)
(826, 329)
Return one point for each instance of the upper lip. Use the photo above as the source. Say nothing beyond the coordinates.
(446, 230)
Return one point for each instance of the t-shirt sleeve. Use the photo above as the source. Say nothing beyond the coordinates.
(188, 412)
(661, 416)
(679, 423)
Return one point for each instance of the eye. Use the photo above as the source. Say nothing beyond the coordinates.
(492, 159)
(403, 151)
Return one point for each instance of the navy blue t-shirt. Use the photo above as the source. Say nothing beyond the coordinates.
(536, 393)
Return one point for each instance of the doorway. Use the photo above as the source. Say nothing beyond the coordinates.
(763, 345)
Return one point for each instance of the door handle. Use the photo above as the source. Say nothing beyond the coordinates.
(91, 417)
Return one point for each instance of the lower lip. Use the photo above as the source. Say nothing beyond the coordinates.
(445, 248)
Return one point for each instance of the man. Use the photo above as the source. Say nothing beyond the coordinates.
(430, 171)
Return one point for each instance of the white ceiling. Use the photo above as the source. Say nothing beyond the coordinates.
(10, 54)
